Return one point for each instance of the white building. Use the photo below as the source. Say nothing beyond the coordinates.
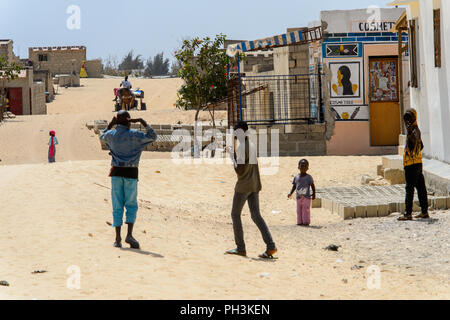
(429, 20)
(429, 32)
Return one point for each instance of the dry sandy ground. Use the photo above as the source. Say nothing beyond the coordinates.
(23, 139)
(54, 217)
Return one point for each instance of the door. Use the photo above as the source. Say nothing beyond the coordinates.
(15, 101)
(384, 105)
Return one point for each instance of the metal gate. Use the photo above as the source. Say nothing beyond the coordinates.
(272, 100)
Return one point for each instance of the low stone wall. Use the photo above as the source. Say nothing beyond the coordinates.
(94, 68)
(300, 140)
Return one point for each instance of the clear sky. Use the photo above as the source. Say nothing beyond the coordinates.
(112, 27)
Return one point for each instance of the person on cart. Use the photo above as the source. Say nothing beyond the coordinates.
(124, 85)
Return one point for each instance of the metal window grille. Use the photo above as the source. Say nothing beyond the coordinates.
(272, 100)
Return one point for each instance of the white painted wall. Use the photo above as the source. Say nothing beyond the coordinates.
(344, 21)
(432, 98)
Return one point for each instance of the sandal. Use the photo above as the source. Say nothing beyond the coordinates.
(236, 252)
(132, 242)
(269, 255)
(406, 217)
(117, 245)
(423, 216)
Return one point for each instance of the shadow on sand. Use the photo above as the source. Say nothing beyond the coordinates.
(143, 252)
(265, 260)
(429, 221)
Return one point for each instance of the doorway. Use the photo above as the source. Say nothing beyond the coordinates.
(384, 105)
(15, 101)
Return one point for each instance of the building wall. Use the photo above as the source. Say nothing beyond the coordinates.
(24, 83)
(47, 79)
(6, 49)
(94, 68)
(33, 93)
(353, 138)
(59, 60)
(38, 94)
(432, 98)
(362, 33)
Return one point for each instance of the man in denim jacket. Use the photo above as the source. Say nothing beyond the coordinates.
(125, 147)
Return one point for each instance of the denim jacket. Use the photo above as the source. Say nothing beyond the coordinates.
(126, 145)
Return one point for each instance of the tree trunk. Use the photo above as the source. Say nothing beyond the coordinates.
(197, 146)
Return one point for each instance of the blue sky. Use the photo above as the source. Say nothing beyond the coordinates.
(150, 26)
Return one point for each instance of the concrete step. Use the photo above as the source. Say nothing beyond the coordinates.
(393, 162)
(402, 140)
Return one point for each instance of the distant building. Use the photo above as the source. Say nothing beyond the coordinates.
(65, 60)
(26, 96)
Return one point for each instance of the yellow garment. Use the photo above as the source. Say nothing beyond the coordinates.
(83, 73)
(414, 156)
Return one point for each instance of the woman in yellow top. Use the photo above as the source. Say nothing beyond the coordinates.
(412, 161)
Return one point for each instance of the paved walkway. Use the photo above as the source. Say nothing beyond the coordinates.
(372, 201)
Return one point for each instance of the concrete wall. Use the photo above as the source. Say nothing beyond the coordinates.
(307, 140)
(6, 49)
(59, 60)
(344, 21)
(94, 68)
(46, 78)
(301, 140)
(432, 98)
(353, 138)
(38, 95)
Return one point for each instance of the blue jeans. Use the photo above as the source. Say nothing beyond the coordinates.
(124, 194)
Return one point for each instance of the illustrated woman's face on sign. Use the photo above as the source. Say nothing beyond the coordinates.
(339, 76)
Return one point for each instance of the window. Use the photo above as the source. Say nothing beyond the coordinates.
(43, 57)
(413, 54)
(437, 38)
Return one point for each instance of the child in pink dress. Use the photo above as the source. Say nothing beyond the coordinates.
(303, 183)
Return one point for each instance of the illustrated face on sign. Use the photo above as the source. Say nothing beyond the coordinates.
(339, 76)
(345, 86)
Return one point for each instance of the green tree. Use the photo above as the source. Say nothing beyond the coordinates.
(157, 66)
(130, 62)
(203, 69)
(8, 72)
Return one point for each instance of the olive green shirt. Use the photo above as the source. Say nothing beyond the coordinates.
(249, 181)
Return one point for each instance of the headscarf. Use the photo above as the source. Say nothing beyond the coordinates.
(413, 113)
(52, 144)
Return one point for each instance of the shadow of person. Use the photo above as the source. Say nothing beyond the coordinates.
(315, 227)
(143, 252)
(265, 260)
(429, 221)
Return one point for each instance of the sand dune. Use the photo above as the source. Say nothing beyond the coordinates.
(54, 218)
